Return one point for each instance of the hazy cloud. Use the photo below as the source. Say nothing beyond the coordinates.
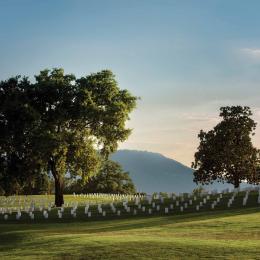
(252, 52)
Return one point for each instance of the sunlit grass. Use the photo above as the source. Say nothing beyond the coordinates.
(81, 199)
(233, 234)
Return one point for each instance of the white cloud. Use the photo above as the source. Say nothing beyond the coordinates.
(252, 52)
(200, 117)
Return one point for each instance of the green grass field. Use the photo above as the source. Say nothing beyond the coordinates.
(222, 232)
(232, 234)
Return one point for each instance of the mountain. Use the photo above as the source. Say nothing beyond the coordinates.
(153, 172)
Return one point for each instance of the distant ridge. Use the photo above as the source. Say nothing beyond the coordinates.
(153, 172)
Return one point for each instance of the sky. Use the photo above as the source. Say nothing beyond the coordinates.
(184, 59)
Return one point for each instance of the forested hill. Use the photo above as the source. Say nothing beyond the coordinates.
(153, 172)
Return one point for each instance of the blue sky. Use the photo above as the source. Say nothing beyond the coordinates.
(185, 59)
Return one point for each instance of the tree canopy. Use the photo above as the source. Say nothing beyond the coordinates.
(17, 119)
(226, 153)
(61, 124)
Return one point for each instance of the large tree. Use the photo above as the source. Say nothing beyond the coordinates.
(226, 153)
(76, 121)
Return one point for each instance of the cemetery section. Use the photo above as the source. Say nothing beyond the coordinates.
(87, 207)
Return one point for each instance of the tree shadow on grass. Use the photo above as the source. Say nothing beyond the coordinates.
(13, 233)
(11, 240)
(165, 250)
(66, 248)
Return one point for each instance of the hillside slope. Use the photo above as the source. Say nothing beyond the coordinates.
(153, 172)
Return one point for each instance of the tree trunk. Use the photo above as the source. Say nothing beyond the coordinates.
(59, 200)
(236, 183)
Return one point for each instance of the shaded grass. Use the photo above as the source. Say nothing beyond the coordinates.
(233, 234)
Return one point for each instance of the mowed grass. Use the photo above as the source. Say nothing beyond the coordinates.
(229, 234)
(45, 199)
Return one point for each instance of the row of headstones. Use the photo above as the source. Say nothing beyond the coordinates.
(127, 208)
(245, 199)
(32, 208)
(137, 201)
(234, 195)
(26, 203)
(118, 212)
(73, 211)
(44, 202)
(108, 196)
(153, 205)
(217, 200)
(21, 201)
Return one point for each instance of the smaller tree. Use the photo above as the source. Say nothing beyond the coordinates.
(226, 153)
(38, 184)
(110, 179)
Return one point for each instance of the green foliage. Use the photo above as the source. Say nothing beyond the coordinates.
(39, 184)
(110, 179)
(60, 124)
(163, 194)
(17, 119)
(155, 194)
(226, 153)
(198, 191)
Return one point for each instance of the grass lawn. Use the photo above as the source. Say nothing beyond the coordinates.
(229, 234)
(46, 199)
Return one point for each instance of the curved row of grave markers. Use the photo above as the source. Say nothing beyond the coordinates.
(135, 206)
